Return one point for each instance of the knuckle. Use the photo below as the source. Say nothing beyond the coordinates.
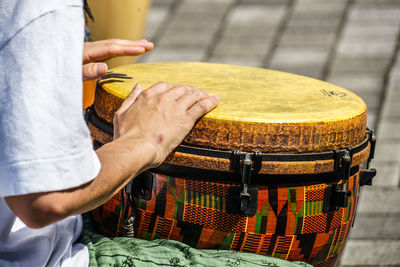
(145, 93)
(190, 88)
(162, 98)
(162, 84)
(86, 69)
(204, 105)
(111, 46)
(185, 88)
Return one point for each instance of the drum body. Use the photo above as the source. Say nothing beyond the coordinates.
(286, 187)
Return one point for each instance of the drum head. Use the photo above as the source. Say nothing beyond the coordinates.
(260, 109)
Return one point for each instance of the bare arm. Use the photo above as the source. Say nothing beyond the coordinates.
(148, 126)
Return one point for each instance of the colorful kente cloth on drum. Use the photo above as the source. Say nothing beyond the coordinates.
(124, 251)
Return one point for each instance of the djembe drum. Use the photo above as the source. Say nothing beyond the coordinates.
(273, 170)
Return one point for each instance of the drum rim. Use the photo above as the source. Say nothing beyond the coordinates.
(173, 169)
(92, 117)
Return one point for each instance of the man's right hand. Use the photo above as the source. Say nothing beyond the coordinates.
(161, 117)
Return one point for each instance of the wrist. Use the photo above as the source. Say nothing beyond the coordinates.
(142, 152)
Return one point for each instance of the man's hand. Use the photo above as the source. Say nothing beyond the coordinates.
(161, 116)
(148, 126)
(106, 49)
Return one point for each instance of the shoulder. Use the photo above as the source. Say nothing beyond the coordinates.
(16, 15)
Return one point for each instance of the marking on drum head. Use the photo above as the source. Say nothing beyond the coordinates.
(114, 78)
(110, 81)
(115, 75)
(333, 93)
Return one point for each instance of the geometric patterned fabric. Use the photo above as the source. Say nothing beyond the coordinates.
(289, 223)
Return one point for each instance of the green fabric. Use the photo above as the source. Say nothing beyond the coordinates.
(123, 251)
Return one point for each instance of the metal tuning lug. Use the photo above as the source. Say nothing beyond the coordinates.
(342, 194)
(246, 172)
(372, 141)
(246, 165)
(337, 196)
(367, 174)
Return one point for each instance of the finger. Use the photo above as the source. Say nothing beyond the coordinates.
(136, 91)
(191, 98)
(118, 41)
(178, 91)
(102, 50)
(92, 71)
(158, 88)
(204, 106)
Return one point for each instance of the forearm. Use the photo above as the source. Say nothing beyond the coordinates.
(120, 162)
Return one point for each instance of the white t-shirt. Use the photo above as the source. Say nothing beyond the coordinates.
(44, 142)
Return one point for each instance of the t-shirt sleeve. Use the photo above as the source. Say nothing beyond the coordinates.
(45, 144)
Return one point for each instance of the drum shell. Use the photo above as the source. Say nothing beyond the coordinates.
(290, 222)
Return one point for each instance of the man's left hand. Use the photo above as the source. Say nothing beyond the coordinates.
(93, 52)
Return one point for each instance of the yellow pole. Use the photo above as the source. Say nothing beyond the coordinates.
(123, 19)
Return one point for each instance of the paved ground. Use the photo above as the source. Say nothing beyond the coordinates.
(352, 43)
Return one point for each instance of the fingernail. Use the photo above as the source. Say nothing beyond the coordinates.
(138, 86)
(217, 97)
(100, 68)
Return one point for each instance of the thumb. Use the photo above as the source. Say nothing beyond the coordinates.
(92, 71)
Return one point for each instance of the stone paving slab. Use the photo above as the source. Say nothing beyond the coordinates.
(307, 39)
(371, 253)
(372, 49)
(292, 59)
(313, 26)
(156, 3)
(387, 150)
(358, 82)
(327, 8)
(266, 2)
(243, 48)
(391, 109)
(389, 129)
(388, 173)
(370, 14)
(255, 16)
(382, 200)
(170, 54)
(204, 6)
(251, 61)
(373, 66)
(378, 3)
(156, 17)
(370, 32)
(376, 226)
(393, 89)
